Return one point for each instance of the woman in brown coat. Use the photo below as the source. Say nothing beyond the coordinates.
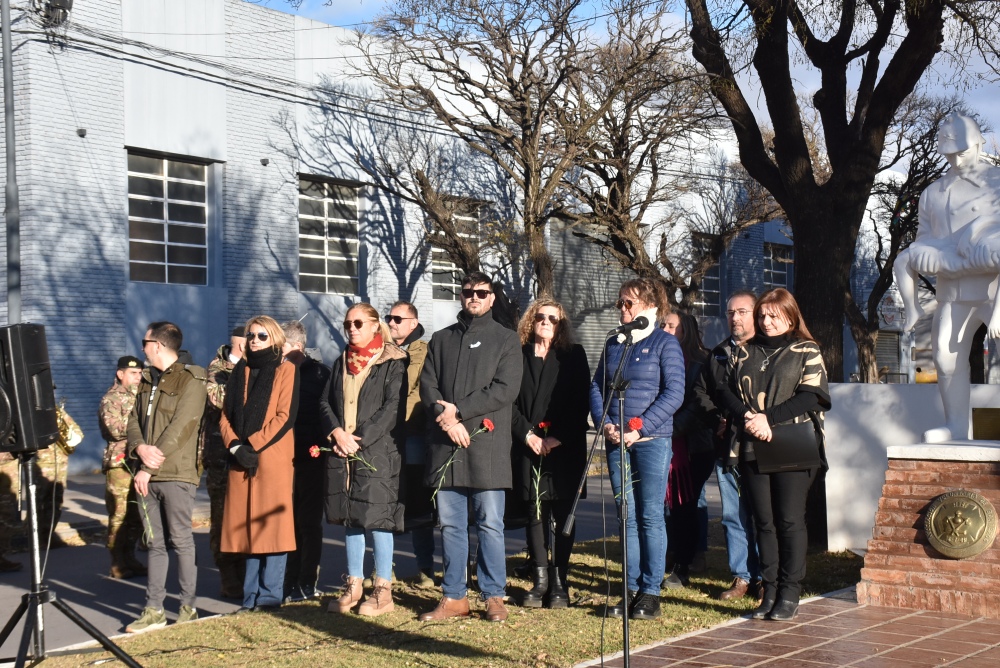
(257, 417)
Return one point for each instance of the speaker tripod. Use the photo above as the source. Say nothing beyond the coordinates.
(39, 595)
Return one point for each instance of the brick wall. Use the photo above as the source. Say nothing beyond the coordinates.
(902, 570)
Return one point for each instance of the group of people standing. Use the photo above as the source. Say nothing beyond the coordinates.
(400, 430)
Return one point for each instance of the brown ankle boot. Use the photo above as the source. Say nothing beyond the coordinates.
(448, 607)
(380, 602)
(349, 597)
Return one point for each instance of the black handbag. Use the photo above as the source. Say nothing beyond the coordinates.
(793, 447)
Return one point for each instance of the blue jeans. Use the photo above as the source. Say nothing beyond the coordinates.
(264, 583)
(645, 530)
(491, 567)
(383, 545)
(737, 520)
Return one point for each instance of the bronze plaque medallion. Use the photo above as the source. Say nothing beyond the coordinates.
(960, 524)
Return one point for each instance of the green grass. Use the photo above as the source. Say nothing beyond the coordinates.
(304, 635)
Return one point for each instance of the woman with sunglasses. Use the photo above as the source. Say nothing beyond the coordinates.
(362, 411)
(258, 413)
(778, 378)
(549, 431)
(655, 371)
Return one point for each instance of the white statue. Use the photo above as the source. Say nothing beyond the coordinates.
(958, 240)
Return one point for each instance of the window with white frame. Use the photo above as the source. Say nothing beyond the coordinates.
(777, 266)
(446, 277)
(328, 237)
(167, 220)
(709, 298)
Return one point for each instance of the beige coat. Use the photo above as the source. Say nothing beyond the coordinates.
(257, 518)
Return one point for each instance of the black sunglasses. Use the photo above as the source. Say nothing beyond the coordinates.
(357, 324)
(262, 336)
(540, 317)
(397, 318)
(145, 341)
(627, 303)
(482, 294)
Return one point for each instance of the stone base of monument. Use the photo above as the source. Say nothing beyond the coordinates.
(933, 543)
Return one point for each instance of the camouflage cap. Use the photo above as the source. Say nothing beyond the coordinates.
(129, 362)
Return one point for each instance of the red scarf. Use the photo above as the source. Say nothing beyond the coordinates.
(358, 358)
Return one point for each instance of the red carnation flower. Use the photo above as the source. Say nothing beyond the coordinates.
(314, 451)
(488, 424)
(635, 424)
(544, 425)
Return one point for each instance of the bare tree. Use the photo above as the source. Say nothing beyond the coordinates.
(498, 74)
(886, 46)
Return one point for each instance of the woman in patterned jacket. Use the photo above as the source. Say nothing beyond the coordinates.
(779, 378)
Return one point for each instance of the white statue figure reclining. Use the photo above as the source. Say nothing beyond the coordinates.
(958, 240)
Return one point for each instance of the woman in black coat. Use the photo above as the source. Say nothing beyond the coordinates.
(362, 414)
(549, 432)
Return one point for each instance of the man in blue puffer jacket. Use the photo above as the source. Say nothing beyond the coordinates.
(656, 370)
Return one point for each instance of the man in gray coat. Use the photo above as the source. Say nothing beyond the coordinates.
(468, 384)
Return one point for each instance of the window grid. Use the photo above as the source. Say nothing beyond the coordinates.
(328, 237)
(777, 266)
(709, 298)
(168, 220)
(446, 278)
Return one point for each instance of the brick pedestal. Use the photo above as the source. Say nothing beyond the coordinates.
(901, 569)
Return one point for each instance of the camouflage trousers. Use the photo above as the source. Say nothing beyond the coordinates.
(232, 567)
(124, 521)
(50, 485)
(10, 516)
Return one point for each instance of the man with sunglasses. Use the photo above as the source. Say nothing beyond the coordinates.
(468, 385)
(404, 325)
(163, 436)
(737, 517)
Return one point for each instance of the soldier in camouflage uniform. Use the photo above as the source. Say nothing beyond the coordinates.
(10, 516)
(124, 522)
(51, 470)
(215, 461)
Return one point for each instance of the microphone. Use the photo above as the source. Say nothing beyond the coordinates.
(640, 322)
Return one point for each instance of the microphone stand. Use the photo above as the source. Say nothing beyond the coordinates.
(617, 388)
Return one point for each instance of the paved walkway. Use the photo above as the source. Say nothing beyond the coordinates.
(831, 630)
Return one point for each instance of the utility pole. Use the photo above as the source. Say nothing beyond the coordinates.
(12, 206)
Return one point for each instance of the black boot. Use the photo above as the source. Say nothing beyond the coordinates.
(622, 607)
(769, 597)
(535, 597)
(558, 596)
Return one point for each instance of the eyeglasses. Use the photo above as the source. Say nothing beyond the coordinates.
(541, 317)
(742, 312)
(627, 303)
(482, 294)
(260, 336)
(397, 318)
(145, 341)
(357, 324)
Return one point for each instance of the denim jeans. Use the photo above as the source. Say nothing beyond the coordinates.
(491, 566)
(383, 545)
(645, 530)
(737, 521)
(169, 506)
(264, 583)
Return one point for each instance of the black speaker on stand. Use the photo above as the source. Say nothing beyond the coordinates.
(28, 423)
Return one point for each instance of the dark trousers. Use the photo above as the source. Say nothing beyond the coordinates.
(779, 513)
(302, 567)
(538, 530)
(683, 526)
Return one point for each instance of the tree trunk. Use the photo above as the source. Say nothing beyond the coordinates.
(823, 257)
(865, 340)
(541, 260)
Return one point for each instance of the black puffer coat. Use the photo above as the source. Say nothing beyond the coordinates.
(356, 496)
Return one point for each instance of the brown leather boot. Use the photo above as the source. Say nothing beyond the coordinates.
(348, 598)
(496, 611)
(448, 607)
(737, 590)
(380, 601)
